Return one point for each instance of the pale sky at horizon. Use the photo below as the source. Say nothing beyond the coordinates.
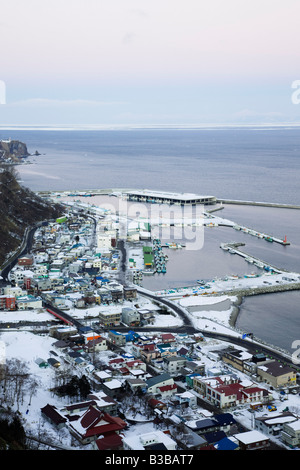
(136, 61)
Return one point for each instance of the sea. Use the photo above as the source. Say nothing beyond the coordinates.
(254, 163)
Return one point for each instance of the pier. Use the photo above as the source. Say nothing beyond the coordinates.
(233, 248)
(268, 238)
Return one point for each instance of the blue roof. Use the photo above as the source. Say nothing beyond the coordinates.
(225, 419)
(226, 444)
(214, 436)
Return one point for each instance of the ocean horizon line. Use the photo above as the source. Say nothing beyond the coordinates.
(107, 127)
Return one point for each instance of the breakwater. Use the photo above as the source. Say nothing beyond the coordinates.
(254, 203)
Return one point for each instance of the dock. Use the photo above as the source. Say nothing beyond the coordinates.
(268, 238)
(233, 248)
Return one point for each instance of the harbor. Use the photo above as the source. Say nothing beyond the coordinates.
(150, 260)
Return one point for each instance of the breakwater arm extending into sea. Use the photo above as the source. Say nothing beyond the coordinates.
(253, 203)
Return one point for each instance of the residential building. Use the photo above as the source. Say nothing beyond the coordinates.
(273, 425)
(291, 433)
(173, 364)
(252, 440)
(130, 293)
(154, 383)
(187, 398)
(113, 388)
(93, 424)
(156, 440)
(225, 391)
(130, 316)
(236, 358)
(110, 318)
(277, 374)
(29, 302)
(116, 338)
(52, 415)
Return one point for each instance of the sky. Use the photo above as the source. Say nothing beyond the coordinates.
(158, 62)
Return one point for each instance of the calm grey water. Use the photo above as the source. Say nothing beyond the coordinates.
(244, 164)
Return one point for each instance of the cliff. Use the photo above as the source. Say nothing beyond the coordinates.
(12, 151)
(19, 208)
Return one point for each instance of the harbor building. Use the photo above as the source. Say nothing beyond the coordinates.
(169, 198)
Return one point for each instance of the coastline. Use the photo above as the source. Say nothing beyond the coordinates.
(235, 310)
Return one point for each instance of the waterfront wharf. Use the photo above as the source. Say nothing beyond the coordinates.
(233, 248)
(143, 195)
(258, 234)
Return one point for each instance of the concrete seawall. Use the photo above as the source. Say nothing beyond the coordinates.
(240, 294)
(253, 203)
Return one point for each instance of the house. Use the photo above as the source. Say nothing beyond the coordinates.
(194, 367)
(236, 358)
(214, 436)
(157, 404)
(95, 345)
(202, 426)
(225, 420)
(112, 441)
(93, 424)
(290, 434)
(130, 293)
(227, 443)
(102, 376)
(116, 338)
(136, 364)
(277, 374)
(187, 398)
(273, 425)
(173, 364)
(110, 317)
(52, 415)
(226, 391)
(168, 338)
(148, 352)
(166, 390)
(78, 408)
(113, 388)
(116, 363)
(104, 403)
(252, 440)
(25, 261)
(136, 384)
(154, 383)
(156, 440)
(130, 316)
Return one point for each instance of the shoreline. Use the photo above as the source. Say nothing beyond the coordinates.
(235, 310)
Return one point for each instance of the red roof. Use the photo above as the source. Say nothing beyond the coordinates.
(110, 442)
(166, 388)
(167, 337)
(98, 423)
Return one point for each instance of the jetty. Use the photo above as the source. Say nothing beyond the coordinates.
(234, 248)
(268, 238)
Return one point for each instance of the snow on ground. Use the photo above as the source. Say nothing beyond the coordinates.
(28, 346)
